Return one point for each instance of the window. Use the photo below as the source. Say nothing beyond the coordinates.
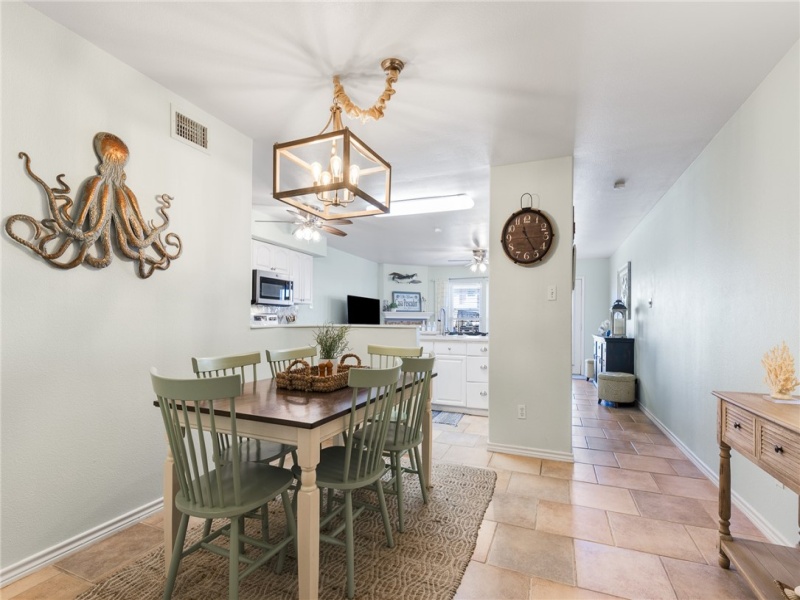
(467, 305)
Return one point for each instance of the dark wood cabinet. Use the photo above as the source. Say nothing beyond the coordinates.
(612, 354)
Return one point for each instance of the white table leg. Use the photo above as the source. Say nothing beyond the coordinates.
(171, 514)
(427, 442)
(308, 515)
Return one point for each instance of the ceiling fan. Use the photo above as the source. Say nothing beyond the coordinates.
(478, 263)
(309, 226)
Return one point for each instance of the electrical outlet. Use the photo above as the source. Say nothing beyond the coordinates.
(522, 412)
(551, 292)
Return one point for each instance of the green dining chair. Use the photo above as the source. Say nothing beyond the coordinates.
(251, 450)
(404, 434)
(214, 488)
(382, 357)
(357, 464)
(279, 360)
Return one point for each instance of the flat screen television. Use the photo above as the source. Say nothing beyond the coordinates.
(363, 311)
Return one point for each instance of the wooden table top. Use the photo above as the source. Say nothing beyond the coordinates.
(787, 415)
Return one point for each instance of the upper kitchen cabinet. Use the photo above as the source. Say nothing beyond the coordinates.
(297, 265)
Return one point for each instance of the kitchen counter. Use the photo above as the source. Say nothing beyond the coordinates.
(425, 336)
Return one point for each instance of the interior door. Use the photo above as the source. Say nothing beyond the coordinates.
(577, 328)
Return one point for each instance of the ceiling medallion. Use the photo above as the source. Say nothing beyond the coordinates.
(335, 175)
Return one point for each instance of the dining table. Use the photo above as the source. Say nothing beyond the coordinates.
(298, 418)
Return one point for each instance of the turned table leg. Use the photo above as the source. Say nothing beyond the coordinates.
(724, 500)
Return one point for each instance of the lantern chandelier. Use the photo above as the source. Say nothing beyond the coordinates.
(335, 175)
(479, 261)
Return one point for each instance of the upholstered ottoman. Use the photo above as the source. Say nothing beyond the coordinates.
(619, 388)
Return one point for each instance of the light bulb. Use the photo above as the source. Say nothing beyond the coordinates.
(326, 179)
(298, 233)
(354, 173)
(482, 267)
(307, 233)
(316, 171)
(336, 168)
(473, 267)
(315, 235)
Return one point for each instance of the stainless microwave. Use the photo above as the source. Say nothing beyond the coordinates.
(272, 288)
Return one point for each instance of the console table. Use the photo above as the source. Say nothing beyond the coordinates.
(768, 435)
(612, 354)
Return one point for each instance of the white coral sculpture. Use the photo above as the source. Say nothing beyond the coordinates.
(780, 378)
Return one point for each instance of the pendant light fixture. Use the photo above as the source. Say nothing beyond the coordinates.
(335, 175)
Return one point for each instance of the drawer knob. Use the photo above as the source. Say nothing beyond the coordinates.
(484, 367)
(484, 393)
(484, 349)
(737, 425)
(778, 449)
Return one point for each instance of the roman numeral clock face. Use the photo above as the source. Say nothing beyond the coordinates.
(527, 237)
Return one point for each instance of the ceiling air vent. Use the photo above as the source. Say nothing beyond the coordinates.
(188, 131)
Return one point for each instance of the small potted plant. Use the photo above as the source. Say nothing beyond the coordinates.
(332, 342)
(392, 306)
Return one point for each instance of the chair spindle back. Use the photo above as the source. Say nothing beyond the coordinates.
(409, 412)
(383, 357)
(279, 359)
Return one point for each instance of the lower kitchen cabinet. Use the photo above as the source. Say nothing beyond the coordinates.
(462, 374)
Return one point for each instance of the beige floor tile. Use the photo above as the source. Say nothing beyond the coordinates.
(740, 524)
(610, 445)
(644, 427)
(659, 438)
(482, 582)
(576, 421)
(573, 521)
(478, 428)
(503, 477)
(654, 536)
(685, 468)
(541, 589)
(625, 478)
(597, 432)
(512, 509)
(567, 470)
(691, 580)
(613, 414)
(702, 489)
(652, 464)
(595, 457)
(457, 438)
(707, 541)
(632, 436)
(464, 455)
(484, 541)
(619, 571)
(438, 450)
(578, 441)
(687, 511)
(109, 554)
(537, 486)
(650, 449)
(640, 417)
(534, 553)
(60, 587)
(20, 585)
(519, 464)
(602, 424)
(603, 497)
(156, 519)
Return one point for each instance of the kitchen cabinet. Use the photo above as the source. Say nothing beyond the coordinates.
(462, 374)
(297, 265)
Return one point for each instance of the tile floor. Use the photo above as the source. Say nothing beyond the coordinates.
(631, 518)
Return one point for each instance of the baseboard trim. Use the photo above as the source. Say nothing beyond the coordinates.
(67, 547)
(755, 517)
(532, 452)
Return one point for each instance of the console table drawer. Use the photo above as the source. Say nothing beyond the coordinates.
(780, 451)
(739, 429)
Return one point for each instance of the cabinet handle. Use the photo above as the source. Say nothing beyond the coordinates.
(484, 367)
(484, 349)
(449, 348)
(778, 449)
(737, 425)
(484, 394)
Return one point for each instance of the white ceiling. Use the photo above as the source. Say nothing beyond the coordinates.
(631, 90)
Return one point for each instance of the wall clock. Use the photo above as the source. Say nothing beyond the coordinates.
(527, 237)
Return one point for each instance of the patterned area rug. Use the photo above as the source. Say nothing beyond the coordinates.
(427, 562)
(446, 418)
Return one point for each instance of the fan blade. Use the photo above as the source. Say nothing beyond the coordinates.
(340, 222)
(333, 230)
(264, 221)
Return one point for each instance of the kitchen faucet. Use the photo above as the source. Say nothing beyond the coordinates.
(443, 320)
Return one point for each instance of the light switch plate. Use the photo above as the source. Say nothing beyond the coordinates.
(551, 292)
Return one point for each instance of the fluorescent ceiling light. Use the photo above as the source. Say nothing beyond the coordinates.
(419, 206)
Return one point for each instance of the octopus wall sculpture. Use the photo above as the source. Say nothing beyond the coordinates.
(83, 225)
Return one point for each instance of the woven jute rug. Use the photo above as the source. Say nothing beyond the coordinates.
(426, 563)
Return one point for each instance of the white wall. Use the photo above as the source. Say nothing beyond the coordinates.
(536, 370)
(720, 257)
(596, 294)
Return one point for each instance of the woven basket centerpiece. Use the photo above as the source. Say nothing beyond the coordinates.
(302, 376)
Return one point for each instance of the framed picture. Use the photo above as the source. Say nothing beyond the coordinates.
(624, 286)
(407, 301)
